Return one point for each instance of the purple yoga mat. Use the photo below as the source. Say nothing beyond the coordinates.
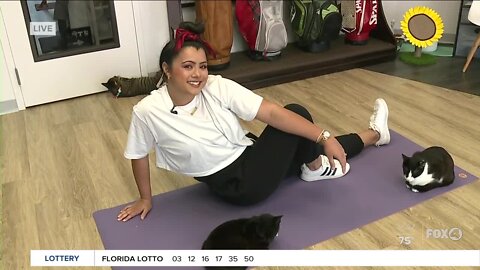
(312, 211)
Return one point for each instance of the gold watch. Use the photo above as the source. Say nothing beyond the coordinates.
(325, 135)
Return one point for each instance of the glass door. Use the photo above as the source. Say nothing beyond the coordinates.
(67, 48)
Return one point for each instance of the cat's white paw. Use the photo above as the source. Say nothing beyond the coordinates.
(414, 190)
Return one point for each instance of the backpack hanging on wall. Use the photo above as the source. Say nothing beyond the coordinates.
(217, 17)
(364, 17)
(261, 25)
(316, 23)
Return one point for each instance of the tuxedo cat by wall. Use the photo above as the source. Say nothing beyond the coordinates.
(129, 87)
(256, 232)
(428, 169)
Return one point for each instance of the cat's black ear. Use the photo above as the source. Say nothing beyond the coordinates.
(105, 84)
(405, 157)
(277, 220)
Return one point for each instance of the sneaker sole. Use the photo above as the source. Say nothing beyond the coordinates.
(310, 177)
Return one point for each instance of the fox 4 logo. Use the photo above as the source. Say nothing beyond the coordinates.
(454, 234)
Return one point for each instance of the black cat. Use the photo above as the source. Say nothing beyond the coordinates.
(256, 232)
(428, 169)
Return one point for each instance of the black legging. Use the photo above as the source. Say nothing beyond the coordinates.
(275, 155)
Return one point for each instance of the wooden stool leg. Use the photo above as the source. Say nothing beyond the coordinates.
(474, 48)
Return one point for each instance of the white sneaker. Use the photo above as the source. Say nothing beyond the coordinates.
(379, 121)
(324, 172)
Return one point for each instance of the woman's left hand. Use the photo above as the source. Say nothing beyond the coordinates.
(334, 150)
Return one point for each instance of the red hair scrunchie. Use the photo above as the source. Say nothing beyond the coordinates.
(182, 35)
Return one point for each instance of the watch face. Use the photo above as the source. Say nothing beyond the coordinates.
(326, 135)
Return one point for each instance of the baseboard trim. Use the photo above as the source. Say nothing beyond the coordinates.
(8, 106)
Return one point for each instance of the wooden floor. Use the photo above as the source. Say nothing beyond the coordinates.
(63, 161)
(447, 72)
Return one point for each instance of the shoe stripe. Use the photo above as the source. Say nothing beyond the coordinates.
(327, 170)
(334, 171)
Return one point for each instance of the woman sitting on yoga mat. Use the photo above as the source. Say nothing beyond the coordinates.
(191, 121)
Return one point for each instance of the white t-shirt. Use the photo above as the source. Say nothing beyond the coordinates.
(197, 144)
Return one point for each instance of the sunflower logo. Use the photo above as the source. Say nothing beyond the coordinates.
(422, 26)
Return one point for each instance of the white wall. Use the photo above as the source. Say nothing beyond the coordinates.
(151, 23)
(6, 91)
(448, 11)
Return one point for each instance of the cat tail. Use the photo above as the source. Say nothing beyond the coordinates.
(449, 178)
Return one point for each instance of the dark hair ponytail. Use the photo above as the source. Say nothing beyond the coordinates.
(197, 28)
(169, 53)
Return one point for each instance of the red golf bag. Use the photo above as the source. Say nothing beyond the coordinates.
(365, 21)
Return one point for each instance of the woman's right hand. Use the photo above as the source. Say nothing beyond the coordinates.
(334, 150)
(141, 206)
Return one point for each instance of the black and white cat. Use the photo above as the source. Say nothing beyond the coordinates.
(428, 169)
(256, 232)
